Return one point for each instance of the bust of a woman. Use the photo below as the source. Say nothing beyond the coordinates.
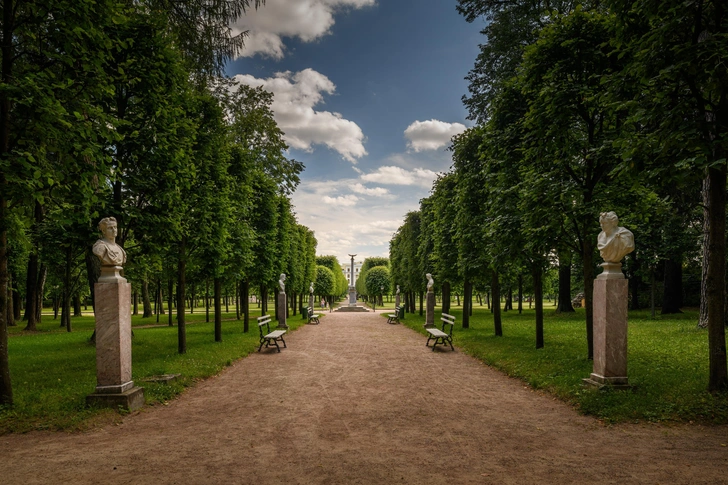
(106, 249)
(430, 282)
(282, 282)
(614, 242)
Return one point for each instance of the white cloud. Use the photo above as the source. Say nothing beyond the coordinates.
(364, 190)
(431, 134)
(344, 200)
(398, 176)
(307, 20)
(294, 99)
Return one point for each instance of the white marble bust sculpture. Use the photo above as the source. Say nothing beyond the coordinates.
(614, 242)
(282, 282)
(106, 249)
(311, 288)
(397, 289)
(430, 282)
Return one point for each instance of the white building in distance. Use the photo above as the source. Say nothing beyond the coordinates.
(346, 269)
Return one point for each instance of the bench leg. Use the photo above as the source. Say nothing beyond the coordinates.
(284, 344)
(276, 343)
(428, 341)
(450, 342)
(435, 344)
(261, 344)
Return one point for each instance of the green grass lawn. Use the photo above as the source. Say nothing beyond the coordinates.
(52, 370)
(667, 362)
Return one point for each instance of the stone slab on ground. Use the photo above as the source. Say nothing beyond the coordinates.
(354, 402)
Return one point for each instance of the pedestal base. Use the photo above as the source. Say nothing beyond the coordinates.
(352, 296)
(129, 400)
(601, 382)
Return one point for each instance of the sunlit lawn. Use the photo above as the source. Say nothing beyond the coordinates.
(667, 362)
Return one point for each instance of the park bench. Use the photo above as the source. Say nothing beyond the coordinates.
(312, 317)
(266, 338)
(440, 336)
(393, 317)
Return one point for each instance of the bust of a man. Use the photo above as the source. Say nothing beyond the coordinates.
(106, 249)
(282, 282)
(614, 242)
(430, 282)
(397, 289)
(311, 288)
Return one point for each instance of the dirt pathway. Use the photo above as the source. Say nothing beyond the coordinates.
(354, 400)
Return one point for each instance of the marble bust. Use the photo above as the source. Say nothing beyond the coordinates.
(282, 282)
(106, 249)
(311, 288)
(614, 242)
(430, 282)
(397, 289)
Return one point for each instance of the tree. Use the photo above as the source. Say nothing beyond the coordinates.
(378, 281)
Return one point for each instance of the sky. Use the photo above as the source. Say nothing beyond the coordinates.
(368, 94)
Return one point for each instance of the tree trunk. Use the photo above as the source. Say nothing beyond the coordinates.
(538, 294)
(66, 311)
(588, 258)
(146, 300)
(170, 292)
(10, 312)
(635, 282)
(422, 297)
(181, 269)
(672, 291)
(207, 301)
(135, 306)
(467, 302)
(520, 293)
(564, 299)
(17, 302)
(217, 283)
(77, 305)
(227, 301)
(192, 298)
(244, 299)
(31, 292)
(495, 288)
(652, 293)
(42, 275)
(715, 277)
(446, 297)
(93, 268)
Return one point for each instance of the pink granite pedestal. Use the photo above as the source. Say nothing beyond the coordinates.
(282, 313)
(610, 331)
(114, 388)
(430, 314)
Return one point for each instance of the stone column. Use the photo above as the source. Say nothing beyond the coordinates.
(113, 343)
(310, 300)
(396, 300)
(610, 329)
(282, 306)
(352, 288)
(430, 310)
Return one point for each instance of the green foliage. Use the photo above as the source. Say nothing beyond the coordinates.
(325, 283)
(378, 281)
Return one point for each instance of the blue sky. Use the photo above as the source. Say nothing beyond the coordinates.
(368, 93)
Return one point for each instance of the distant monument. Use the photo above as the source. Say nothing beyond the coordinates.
(352, 289)
(430, 314)
(282, 302)
(396, 297)
(310, 296)
(610, 306)
(112, 308)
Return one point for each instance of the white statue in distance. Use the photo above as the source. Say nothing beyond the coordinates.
(311, 288)
(106, 249)
(430, 282)
(282, 282)
(614, 242)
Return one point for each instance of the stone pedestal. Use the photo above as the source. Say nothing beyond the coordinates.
(610, 329)
(430, 315)
(114, 387)
(282, 306)
(310, 301)
(396, 300)
(352, 296)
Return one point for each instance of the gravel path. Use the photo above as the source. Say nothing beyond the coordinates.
(355, 400)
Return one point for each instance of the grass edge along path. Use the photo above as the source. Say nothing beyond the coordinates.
(667, 362)
(54, 370)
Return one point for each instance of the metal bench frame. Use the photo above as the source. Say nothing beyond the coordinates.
(393, 317)
(312, 317)
(440, 336)
(270, 337)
